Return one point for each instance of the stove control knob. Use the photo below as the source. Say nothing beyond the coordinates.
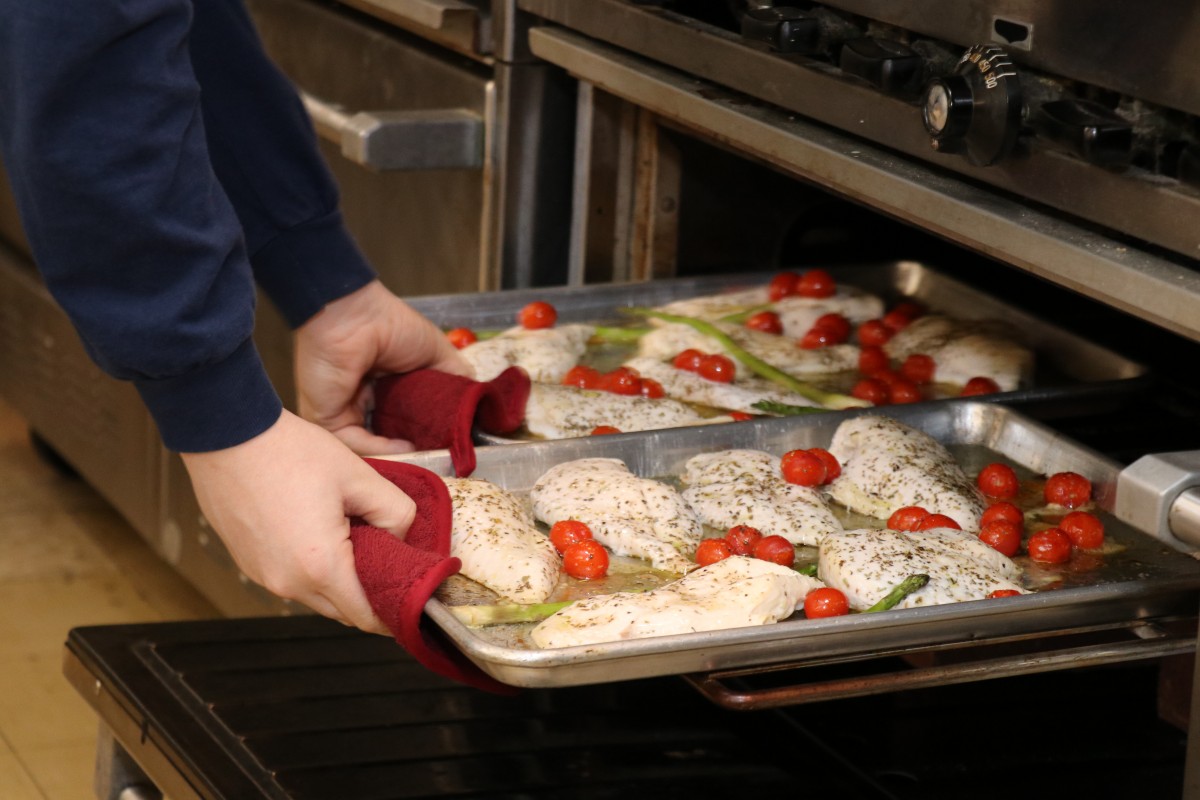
(892, 67)
(785, 29)
(976, 110)
(1089, 130)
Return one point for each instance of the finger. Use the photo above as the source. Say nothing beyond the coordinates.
(365, 443)
(380, 502)
(345, 597)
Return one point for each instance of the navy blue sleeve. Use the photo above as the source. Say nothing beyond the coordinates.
(102, 130)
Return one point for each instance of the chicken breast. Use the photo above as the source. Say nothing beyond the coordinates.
(554, 411)
(733, 593)
(691, 388)
(796, 313)
(631, 516)
(867, 564)
(887, 465)
(744, 487)
(545, 353)
(965, 349)
(494, 536)
(667, 341)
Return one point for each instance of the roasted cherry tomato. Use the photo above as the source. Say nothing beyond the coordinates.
(740, 416)
(872, 359)
(688, 360)
(1068, 489)
(907, 518)
(775, 549)
(782, 285)
(1002, 535)
(652, 389)
(836, 324)
(1085, 530)
(897, 319)
(1050, 546)
(825, 602)
(461, 337)
(978, 386)
(765, 321)
(901, 390)
(604, 430)
(937, 521)
(802, 468)
(717, 368)
(816, 283)
(621, 380)
(908, 308)
(710, 551)
(832, 468)
(816, 338)
(873, 331)
(873, 390)
(1006, 511)
(537, 314)
(582, 376)
(1003, 593)
(999, 481)
(586, 560)
(567, 532)
(918, 368)
(742, 538)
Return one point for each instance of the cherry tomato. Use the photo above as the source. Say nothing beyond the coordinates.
(816, 338)
(1068, 489)
(873, 390)
(872, 359)
(742, 538)
(537, 314)
(717, 368)
(461, 337)
(901, 390)
(1050, 546)
(802, 468)
(689, 360)
(782, 285)
(918, 368)
(740, 416)
(567, 532)
(1003, 536)
(1085, 530)
(711, 551)
(978, 386)
(604, 430)
(832, 468)
(583, 377)
(816, 283)
(937, 521)
(621, 380)
(1005, 511)
(1004, 593)
(897, 319)
(999, 481)
(652, 389)
(765, 321)
(775, 549)
(836, 324)
(825, 602)
(907, 518)
(873, 331)
(585, 560)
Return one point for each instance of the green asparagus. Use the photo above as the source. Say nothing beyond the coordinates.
(786, 409)
(902, 590)
(505, 613)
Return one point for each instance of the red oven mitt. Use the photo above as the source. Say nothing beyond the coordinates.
(400, 575)
(435, 410)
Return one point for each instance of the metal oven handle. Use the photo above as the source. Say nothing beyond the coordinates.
(420, 139)
(1160, 494)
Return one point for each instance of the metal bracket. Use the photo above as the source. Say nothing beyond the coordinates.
(1159, 494)
(117, 775)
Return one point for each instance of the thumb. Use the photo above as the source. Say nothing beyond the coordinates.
(381, 503)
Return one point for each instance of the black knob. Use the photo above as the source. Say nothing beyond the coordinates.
(889, 66)
(975, 111)
(1087, 129)
(786, 29)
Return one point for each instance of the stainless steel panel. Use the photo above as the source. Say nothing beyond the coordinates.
(462, 25)
(1149, 578)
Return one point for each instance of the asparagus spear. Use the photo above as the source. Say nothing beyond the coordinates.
(808, 569)
(756, 364)
(902, 590)
(740, 317)
(611, 335)
(785, 409)
(505, 613)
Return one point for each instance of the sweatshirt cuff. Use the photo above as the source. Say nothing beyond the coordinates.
(217, 406)
(307, 267)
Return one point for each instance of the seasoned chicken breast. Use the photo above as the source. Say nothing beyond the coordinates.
(545, 353)
(494, 536)
(558, 412)
(667, 341)
(867, 564)
(965, 349)
(691, 388)
(733, 593)
(744, 487)
(796, 313)
(631, 516)
(887, 465)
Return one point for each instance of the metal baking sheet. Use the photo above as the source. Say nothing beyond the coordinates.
(1071, 373)
(1149, 578)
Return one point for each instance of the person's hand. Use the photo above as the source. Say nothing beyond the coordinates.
(367, 333)
(281, 502)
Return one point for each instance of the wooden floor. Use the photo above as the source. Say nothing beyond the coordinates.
(66, 559)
